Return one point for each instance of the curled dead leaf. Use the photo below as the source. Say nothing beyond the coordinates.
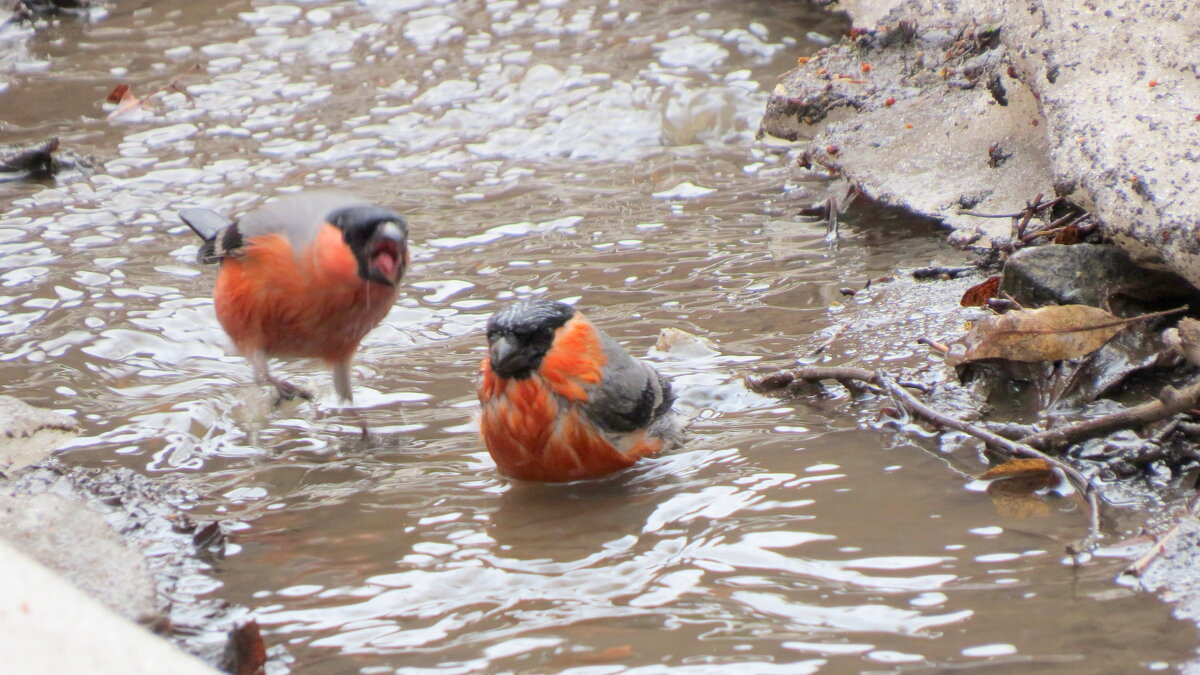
(1018, 467)
(1046, 334)
(1014, 484)
(118, 93)
(980, 293)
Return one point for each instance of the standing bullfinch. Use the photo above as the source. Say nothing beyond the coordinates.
(562, 401)
(305, 276)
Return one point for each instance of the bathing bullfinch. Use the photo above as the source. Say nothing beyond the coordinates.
(305, 276)
(562, 401)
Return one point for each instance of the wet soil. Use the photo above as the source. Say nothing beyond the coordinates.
(552, 148)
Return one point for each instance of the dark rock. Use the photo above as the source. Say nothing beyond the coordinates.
(1084, 274)
(38, 160)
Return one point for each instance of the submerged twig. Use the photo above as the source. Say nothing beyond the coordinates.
(860, 378)
(1012, 449)
(935, 272)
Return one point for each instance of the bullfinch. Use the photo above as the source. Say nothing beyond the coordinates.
(562, 401)
(305, 276)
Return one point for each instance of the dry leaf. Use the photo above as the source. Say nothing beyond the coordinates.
(118, 93)
(1046, 334)
(1068, 235)
(979, 294)
(1014, 497)
(245, 653)
(1018, 467)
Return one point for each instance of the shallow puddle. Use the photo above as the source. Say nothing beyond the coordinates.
(597, 152)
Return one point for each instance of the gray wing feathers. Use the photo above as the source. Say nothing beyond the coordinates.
(631, 394)
(299, 216)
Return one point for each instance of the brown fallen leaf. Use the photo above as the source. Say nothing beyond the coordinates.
(1018, 467)
(1046, 334)
(127, 101)
(980, 293)
(118, 93)
(1014, 497)
(246, 654)
(1068, 235)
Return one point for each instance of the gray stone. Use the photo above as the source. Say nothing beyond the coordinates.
(28, 434)
(79, 544)
(1084, 274)
(1102, 98)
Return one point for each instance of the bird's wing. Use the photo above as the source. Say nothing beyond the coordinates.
(630, 394)
(299, 217)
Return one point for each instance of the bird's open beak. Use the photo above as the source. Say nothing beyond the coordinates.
(388, 254)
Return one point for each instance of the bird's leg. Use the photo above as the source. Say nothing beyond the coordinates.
(285, 390)
(341, 380)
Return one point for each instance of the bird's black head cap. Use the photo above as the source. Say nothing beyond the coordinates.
(520, 335)
(378, 237)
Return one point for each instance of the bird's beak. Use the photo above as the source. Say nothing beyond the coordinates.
(390, 230)
(389, 254)
(502, 351)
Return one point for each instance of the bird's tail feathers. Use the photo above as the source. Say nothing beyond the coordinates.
(208, 225)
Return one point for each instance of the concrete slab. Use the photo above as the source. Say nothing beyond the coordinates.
(48, 627)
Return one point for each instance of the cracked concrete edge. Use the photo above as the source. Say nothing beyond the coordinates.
(47, 627)
(1103, 105)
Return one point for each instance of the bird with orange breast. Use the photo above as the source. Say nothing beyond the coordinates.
(305, 276)
(562, 401)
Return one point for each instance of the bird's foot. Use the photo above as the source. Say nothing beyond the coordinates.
(288, 392)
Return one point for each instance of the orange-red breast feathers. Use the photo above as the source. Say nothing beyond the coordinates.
(305, 276)
(308, 303)
(541, 389)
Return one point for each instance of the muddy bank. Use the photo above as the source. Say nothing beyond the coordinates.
(976, 106)
(1019, 126)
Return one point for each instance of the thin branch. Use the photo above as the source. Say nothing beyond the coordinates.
(854, 379)
(846, 375)
(1170, 402)
(934, 345)
(1010, 448)
(1050, 204)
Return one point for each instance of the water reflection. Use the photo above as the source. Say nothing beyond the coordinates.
(594, 151)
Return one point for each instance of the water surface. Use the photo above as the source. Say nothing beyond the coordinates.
(599, 152)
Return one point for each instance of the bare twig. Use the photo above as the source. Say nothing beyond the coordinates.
(1057, 226)
(854, 379)
(1170, 402)
(1026, 216)
(935, 272)
(1139, 566)
(1010, 448)
(933, 344)
(874, 380)
(1039, 207)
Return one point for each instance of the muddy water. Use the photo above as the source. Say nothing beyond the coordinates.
(597, 152)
